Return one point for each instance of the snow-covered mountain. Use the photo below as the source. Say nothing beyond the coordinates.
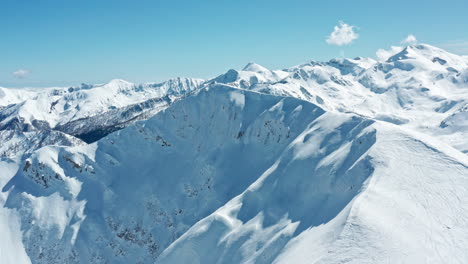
(58, 106)
(88, 112)
(346, 161)
(422, 87)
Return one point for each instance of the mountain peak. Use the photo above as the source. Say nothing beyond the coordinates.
(254, 67)
(426, 52)
(118, 82)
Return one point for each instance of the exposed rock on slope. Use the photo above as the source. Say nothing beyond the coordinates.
(90, 111)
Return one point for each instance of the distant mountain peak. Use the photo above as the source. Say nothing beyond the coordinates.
(254, 67)
(118, 82)
(421, 51)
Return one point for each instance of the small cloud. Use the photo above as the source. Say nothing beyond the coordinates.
(409, 40)
(383, 54)
(343, 34)
(21, 73)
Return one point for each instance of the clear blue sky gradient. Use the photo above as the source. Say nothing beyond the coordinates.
(69, 42)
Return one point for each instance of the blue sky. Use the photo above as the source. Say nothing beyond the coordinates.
(61, 43)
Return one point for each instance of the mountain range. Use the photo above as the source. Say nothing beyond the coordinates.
(346, 161)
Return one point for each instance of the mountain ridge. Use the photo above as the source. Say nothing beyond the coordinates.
(345, 161)
(344, 165)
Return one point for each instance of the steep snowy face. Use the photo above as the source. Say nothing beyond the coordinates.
(134, 192)
(235, 176)
(377, 196)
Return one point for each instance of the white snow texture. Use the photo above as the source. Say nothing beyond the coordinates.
(346, 161)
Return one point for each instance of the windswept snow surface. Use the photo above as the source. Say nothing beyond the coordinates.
(346, 161)
(422, 87)
(375, 199)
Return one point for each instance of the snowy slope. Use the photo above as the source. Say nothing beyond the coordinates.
(34, 118)
(78, 110)
(377, 198)
(11, 245)
(421, 87)
(345, 161)
(12, 96)
(250, 76)
(418, 88)
(278, 180)
(62, 105)
(134, 192)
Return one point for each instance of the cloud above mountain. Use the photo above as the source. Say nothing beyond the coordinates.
(409, 40)
(343, 34)
(384, 54)
(21, 73)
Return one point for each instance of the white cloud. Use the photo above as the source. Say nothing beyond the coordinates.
(343, 34)
(409, 40)
(383, 54)
(21, 73)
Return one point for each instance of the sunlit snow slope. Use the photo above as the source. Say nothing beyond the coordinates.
(232, 176)
(346, 161)
(32, 118)
(421, 87)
